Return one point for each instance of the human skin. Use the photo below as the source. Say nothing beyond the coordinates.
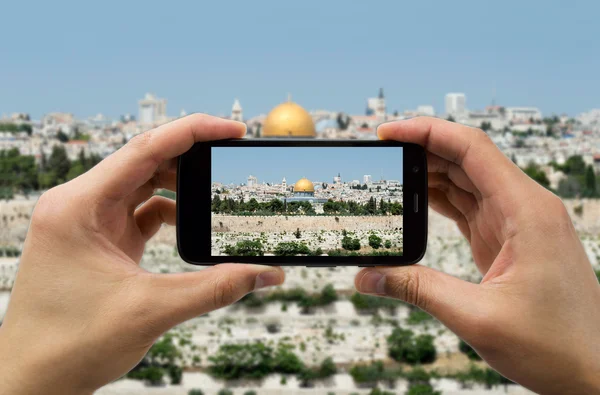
(82, 312)
(535, 316)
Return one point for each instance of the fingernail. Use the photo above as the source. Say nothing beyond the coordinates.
(267, 279)
(373, 283)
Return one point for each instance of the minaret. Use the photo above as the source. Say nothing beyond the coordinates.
(380, 110)
(236, 111)
(283, 185)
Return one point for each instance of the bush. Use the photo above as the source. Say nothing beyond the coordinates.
(251, 392)
(487, 376)
(225, 391)
(286, 361)
(468, 351)
(235, 361)
(327, 368)
(405, 347)
(317, 252)
(291, 248)
(375, 241)
(388, 244)
(175, 374)
(297, 233)
(367, 373)
(245, 248)
(350, 244)
(195, 392)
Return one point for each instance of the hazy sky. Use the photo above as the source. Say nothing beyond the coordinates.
(88, 57)
(271, 164)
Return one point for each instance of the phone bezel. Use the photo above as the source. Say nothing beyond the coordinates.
(194, 196)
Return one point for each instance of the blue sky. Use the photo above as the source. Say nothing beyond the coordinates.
(271, 164)
(90, 57)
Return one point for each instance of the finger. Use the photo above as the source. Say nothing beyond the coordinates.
(440, 203)
(456, 303)
(181, 296)
(136, 163)
(152, 214)
(464, 201)
(488, 168)
(436, 164)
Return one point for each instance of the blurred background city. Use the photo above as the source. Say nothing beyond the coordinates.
(78, 80)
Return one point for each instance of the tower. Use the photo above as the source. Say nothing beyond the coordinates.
(283, 185)
(236, 111)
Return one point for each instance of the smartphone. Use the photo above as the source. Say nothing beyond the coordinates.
(302, 202)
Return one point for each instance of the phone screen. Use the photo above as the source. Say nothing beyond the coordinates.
(302, 202)
(286, 201)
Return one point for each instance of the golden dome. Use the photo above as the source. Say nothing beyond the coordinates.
(304, 185)
(288, 119)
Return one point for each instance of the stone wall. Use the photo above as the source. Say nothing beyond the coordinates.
(276, 223)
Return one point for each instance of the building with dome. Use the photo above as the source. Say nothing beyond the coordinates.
(288, 120)
(304, 191)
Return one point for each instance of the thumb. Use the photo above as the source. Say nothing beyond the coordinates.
(456, 303)
(179, 297)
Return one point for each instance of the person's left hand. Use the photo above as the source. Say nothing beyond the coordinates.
(82, 312)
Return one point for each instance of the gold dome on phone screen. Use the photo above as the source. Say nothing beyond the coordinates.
(304, 185)
(288, 120)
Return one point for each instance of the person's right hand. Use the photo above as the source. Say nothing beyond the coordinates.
(535, 316)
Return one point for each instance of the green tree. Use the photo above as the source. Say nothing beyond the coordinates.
(75, 171)
(374, 241)
(235, 361)
(59, 164)
(61, 136)
(286, 361)
(538, 175)
(590, 182)
(327, 368)
(350, 244)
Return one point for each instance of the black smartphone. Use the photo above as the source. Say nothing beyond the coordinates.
(302, 202)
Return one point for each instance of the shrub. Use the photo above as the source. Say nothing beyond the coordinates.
(286, 361)
(327, 368)
(234, 361)
(374, 241)
(297, 233)
(405, 347)
(388, 244)
(175, 374)
(245, 248)
(291, 248)
(367, 373)
(195, 392)
(251, 392)
(350, 244)
(225, 391)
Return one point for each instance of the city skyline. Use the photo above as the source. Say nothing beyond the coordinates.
(497, 53)
(318, 164)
